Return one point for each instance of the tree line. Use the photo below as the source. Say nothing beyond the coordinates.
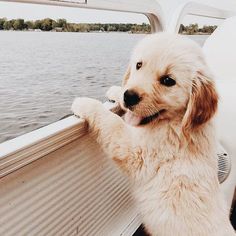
(63, 26)
(195, 29)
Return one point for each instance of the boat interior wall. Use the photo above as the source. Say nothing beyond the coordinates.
(70, 191)
(220, 52)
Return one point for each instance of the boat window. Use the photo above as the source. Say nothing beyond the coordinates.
(198, 28)
(50, 55)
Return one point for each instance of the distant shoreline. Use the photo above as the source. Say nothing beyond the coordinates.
(61, 25)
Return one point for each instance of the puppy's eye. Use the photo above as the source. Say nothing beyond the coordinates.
(167, 81)
(139, 65)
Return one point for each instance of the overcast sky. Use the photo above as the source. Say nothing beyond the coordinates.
(32, 12)
(76, 15)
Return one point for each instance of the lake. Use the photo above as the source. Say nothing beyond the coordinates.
(42, 72)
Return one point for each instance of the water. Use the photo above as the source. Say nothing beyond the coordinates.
(42, 72)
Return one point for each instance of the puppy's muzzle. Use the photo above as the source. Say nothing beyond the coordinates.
(131, 98)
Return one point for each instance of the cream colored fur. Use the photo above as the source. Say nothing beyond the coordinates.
(172, 160)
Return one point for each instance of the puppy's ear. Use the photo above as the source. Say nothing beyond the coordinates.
(126, 76)
(202, 104)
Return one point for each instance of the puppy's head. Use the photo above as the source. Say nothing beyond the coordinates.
(168, 79)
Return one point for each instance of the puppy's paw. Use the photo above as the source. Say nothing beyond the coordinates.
(114, 93)
(84, 107)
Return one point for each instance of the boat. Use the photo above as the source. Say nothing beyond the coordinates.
(56, 180)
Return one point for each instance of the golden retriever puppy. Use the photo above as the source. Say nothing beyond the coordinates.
(166, 141)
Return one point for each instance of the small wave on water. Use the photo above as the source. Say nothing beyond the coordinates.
(41, 74)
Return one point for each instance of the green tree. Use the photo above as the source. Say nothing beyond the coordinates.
(46, 24)
(181, 28)
(29, 25)
(192, 29)
(37, 24)
(2, 21)
(19, 24)
(122, 28)
(111, 28)
(209, 29)
(7, 25)
(62, 23)
(54, 24)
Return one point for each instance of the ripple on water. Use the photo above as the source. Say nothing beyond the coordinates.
(22, 118)
(43, 116)
(89, 77)
(33, 124)
(57, 93)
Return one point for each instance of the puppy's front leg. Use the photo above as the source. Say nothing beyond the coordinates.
(111, 132)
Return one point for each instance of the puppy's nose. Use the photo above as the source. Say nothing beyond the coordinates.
(131, 98)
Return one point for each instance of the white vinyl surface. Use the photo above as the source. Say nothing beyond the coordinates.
(220, 51)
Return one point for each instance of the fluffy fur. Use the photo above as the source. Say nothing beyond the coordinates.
(171, 160)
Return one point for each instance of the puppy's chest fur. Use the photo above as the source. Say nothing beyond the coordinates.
(153, 150)
(169, 179)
